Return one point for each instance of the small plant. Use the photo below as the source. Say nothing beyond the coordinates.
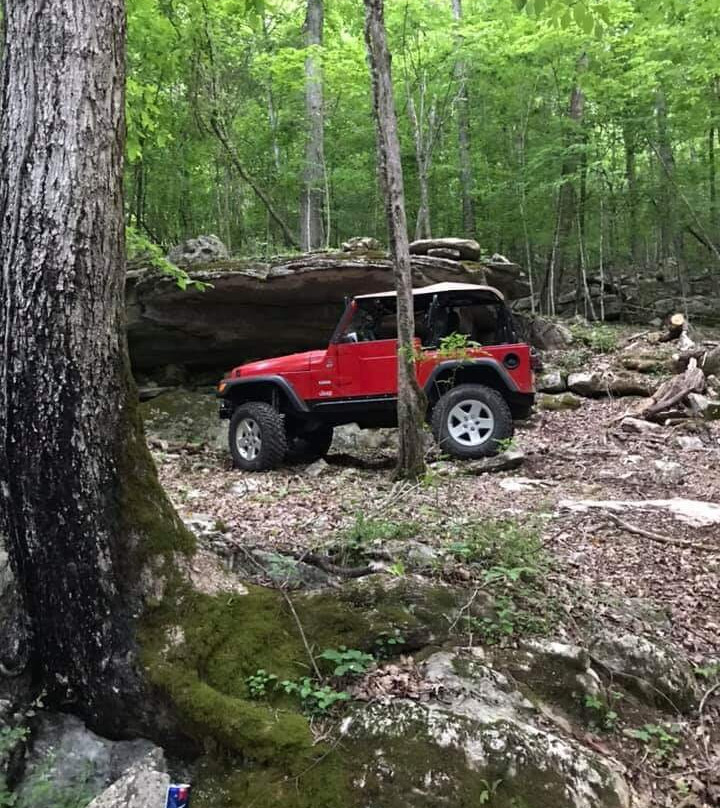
(660, 740)
(260, 683)
(397, 569)
(347, 660)
(599, 338)
(711, 671)
(604, 717)
(386, 644)
(139, 246)
(489, 789)
(506, 444)
(314, 698)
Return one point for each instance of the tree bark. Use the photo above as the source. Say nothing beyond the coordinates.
(411, 400)
(464, 154)
(312, 235)
(79, 496)
(422, 158)
(632, 193)
(666, 175)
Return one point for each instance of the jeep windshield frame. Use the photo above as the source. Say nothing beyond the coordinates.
(431, 305)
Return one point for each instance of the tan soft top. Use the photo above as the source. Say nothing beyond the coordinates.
(438, 288)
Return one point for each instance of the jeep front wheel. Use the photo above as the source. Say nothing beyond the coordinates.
(471, 420)
(257, 437)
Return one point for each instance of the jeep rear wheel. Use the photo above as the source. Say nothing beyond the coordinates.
(257, 437)
(470, 421)
(309, 446)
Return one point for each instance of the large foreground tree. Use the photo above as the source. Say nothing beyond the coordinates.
(411, 401)
(81, 511)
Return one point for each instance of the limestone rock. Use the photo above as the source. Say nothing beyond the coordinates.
(480, 734)
(185, 417)
(71, 759)
(468, 249)
(552, 381)
(256, 309)
(200, 250)
(704, 407)
(657, 672)
(556, 403)
(361, 244)
(144, 785)
(546, 335)
(445, 252)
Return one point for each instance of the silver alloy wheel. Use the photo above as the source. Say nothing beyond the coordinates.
(248, 439)
(470, 422)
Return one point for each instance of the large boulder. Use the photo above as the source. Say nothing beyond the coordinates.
(594, 384)
(255, 310)
(655, 671)
(468, 249)
(144, 785)
(68, 759)
(477, 741)
(181, 416)
(544, 334)
(200, 250)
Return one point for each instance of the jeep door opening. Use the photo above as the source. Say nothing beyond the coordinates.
(477, 378)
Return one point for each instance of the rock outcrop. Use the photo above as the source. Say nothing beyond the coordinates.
(255, 309)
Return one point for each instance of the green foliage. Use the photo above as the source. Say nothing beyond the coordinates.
(509, 559)
(314, 698)
(604, 716)
(660, 740)
(366, 531)
(599, 338)
(456, 346)
(347, 660)
(10, 737)
(140, 247)
(388, 643)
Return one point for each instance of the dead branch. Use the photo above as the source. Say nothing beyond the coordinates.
(656, 537)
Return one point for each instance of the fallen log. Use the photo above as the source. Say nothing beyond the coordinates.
(676, 324)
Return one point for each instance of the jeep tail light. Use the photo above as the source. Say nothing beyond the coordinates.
(511, 361)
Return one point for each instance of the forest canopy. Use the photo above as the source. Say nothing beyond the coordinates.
(590, 127)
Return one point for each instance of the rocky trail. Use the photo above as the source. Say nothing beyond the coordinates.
(583, 581)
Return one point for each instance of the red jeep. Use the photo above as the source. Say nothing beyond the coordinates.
(476, 376)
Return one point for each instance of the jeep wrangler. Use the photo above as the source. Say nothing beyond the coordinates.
(476, 376)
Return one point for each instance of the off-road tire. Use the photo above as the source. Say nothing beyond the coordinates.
(268, 451)
(492, 406)
(310, 446)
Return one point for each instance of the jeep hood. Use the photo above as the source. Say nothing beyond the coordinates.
(293, 363)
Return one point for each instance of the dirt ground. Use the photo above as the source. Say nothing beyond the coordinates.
(607, 561)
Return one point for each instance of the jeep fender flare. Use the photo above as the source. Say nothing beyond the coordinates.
(465, 364)
(277, 382)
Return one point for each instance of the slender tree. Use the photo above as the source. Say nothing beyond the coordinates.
(81, 511)
(311, 202)
(464, 153)
(411, 401)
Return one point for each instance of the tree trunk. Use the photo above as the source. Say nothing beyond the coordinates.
(464, 155)
(712, 182)
(666, 177)
(80, 504)
(312, 235)
(422, 158)
(632, 194)
(411, 401)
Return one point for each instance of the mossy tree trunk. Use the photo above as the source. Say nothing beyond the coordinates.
(411, 401)
(79, 497)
